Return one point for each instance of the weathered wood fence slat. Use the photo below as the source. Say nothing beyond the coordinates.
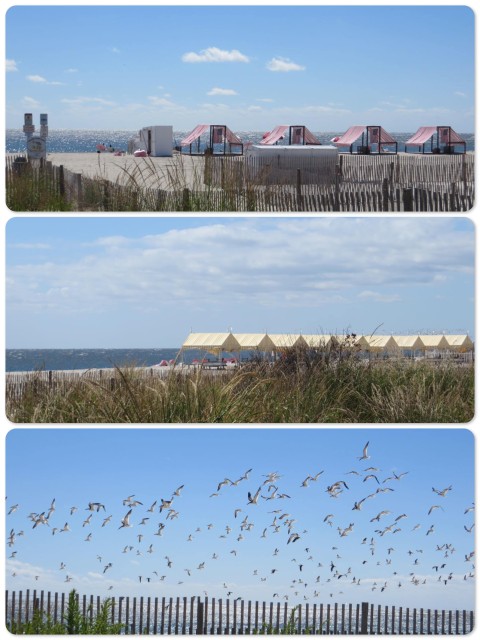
(197, 616)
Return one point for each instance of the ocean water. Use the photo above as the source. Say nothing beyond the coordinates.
(83, 141)
(67, 359)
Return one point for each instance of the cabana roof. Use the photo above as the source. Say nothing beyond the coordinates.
(377, 343)
(434, 342)
(459, 341)
(409, 342)
(374, 135)
(212, 342)
(285, 340)
(445, 136)
(219, 134)
(297, 134)
(252, 341)
(317, 341)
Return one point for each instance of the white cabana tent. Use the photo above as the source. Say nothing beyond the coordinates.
(460, 343)
(212, 342)
(409, 343)
(287, 340)
(377, 343)
(434, 342)
(317, 341)
(254, 342)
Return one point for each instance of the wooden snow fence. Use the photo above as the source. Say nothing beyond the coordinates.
(197, 616)
(351, 183)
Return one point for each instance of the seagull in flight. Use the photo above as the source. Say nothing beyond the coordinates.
(126, 520)
(365, 455)
(254, 499)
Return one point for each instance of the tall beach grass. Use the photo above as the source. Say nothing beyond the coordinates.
(298, 388)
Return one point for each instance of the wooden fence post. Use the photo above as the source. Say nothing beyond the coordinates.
(338, 173)
(200, 621)
(186, 200)
(385, 195)
(61, 180)
(364, 619)
(299, 190)
(408, 199)
(79, 189)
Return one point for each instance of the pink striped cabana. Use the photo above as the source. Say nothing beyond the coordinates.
(297, 134)
(218, 134)
(446, 139)
(372, 136)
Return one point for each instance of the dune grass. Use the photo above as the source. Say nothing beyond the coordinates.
(293, 390)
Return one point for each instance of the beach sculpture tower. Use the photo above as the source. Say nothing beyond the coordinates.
(36, 144)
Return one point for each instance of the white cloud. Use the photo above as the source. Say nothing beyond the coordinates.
(376, 296)
(115, 50)
(216, 91)
(11, 65)
(30, 102)
(71, 70)
(41, 80)
(160, 102)
(213, 54)
(294, 262)
(36, 78)
(265, 100)
(85, 101)
(283, 65)
(460, 93)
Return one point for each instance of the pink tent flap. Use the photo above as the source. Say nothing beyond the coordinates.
(193, 135)
(232, 138)
(447, 134)
(422, 135)
(351, 135)
(385, 138)
(275, 134)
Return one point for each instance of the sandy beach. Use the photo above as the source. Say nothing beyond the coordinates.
(148, 172)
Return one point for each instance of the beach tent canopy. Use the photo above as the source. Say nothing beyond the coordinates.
(370, 134)
(446, 138)
(287, 340)
(297, 134)
(409, 342)
(434, 342)
(380, 343)
(254, 342)
(212, 342)
(459, 342)
(318, 341)
(218, 134)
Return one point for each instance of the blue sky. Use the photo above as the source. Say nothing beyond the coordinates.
(250, 67)
(148, 281)
(109, 465)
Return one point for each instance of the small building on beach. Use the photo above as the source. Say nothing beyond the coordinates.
(156, 140)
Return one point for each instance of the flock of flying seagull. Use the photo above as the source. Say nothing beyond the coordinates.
(370, 549)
